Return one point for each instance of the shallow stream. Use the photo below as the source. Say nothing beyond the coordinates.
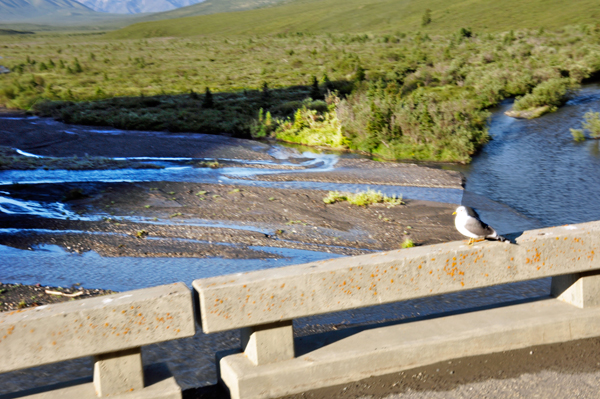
(531, 175)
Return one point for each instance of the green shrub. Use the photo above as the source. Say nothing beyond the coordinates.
(311, 128)
(426, 18)
(263, 126)
(550, 93)
(577, 135)
(363, 198)
(8, 93)
(408, 243)
(592, 123)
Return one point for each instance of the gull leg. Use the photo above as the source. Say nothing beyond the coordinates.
(471, 241)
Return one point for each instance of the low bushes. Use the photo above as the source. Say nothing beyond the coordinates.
(551, 94)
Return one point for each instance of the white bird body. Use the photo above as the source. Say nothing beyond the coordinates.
(467, 222)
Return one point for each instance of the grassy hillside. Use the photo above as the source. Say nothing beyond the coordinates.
(209, 7)
(352, 16)
(8, 32)
(58, 17)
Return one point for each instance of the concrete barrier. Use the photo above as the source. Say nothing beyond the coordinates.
(112, 328)
(264, 303)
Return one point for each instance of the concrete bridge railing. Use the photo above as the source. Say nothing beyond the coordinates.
(264, 303)
(111, 328)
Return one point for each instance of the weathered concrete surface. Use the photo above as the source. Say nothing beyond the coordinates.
(262, 297)
(269, 343)
(111, 323)
(392, 349)
(579, 289)
(159, 385)
(118, 372)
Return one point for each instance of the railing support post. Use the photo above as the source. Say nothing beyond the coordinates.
(269, 343)
(118, 372)
(578, 289)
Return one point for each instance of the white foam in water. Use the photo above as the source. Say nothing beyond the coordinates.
(54, 210)
(152, 159)
(27, 154)
(279, 152)
(322, 163)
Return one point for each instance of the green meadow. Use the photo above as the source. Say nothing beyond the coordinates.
(417, 85)
(376, 16)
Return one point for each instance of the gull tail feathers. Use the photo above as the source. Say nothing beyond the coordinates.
(497, 237)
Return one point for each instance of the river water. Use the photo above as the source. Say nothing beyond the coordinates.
(537, 169)
(531, 175)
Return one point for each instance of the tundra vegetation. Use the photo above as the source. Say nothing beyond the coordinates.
(394, 95)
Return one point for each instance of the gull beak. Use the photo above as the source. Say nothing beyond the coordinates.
(454, 213)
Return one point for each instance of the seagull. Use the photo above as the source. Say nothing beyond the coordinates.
(467, 222)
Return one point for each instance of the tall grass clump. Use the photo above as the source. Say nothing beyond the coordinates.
(363, 198)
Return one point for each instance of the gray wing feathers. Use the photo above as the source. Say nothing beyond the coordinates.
(479, 228)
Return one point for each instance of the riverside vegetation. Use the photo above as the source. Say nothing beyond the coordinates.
(393, 95)
(591, 124)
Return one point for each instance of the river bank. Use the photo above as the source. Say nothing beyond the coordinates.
(207, 197)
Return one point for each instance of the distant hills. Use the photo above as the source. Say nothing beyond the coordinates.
(243, 17)
(136, 6)
(63, 12)
(11, 10)
(358, 16)
(41, 15)
(208, 7)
